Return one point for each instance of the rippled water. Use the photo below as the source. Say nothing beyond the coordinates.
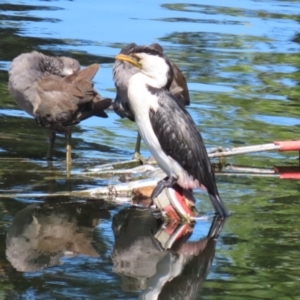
(241, 60)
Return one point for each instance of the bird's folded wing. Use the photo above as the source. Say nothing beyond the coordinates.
(179, 138)
(58, 102)
(77, 91)
(54, 83)
(121, 107)
(179, 86)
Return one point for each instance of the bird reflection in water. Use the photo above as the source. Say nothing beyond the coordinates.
(41, 234)
(149, 254)
(157, 258)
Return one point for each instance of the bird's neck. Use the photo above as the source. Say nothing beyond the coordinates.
(140, 97)
(154, 79)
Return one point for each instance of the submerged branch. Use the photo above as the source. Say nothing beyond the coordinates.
(132, 167)
(124, 190)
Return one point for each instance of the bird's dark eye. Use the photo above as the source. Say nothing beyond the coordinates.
(136, 57)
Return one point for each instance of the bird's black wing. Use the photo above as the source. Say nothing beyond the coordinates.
(179, 138)
(121, 108)
(179, 88)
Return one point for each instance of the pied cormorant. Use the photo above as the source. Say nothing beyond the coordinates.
(123, 71)
(166, 127)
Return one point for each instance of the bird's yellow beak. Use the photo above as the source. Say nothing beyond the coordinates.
(129, 59)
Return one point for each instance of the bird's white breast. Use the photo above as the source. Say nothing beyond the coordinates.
(141, 101)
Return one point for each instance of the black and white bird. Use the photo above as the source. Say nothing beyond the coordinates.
(55, 92)
(123, 71)
(166, 127)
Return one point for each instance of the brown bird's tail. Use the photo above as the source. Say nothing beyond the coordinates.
(99, 107)
(86, 74)
(82, 79)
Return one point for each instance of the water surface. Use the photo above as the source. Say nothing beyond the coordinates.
(241, 61)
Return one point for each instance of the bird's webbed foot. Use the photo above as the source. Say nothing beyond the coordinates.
(164, 183)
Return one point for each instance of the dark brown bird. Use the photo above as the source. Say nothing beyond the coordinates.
(55, 92)
(123, 71)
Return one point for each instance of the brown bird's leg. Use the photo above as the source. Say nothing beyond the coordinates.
(137, 155)
(52, 135)
(68, 148)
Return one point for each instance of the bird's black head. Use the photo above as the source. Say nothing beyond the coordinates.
(157, 47)
(128, 49)
(152, 61)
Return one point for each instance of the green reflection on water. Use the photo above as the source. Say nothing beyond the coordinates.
(247, 96)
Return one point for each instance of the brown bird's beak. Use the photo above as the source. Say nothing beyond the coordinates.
(129, 59)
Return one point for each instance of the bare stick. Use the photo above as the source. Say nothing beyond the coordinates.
(233, 174)
(219, 152)
(115, 165)
(117, 190)
(122, 189)
(244, 169)
(138, 169)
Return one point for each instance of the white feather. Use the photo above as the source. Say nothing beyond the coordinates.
(155, 68)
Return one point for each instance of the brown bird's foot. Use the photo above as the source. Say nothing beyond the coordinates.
(52, 136)
(68, 169)
(167, 182)
(68, 161)
(49, 155)
(68, 152)
(68, 155)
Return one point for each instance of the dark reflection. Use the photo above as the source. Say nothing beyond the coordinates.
(22, 7)
(43, 233)
(157, 257)
(21, 146)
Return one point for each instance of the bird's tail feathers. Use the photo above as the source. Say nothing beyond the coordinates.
(88, 73)
(97, 110)
(216, 227)
(99, 107)
(219, 205)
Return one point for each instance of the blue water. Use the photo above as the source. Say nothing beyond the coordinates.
(241, 61)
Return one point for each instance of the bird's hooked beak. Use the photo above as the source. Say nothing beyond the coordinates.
(129, 59)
